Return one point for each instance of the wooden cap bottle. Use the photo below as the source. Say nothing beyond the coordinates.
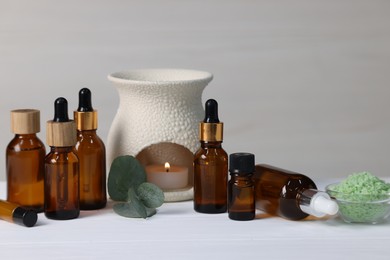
(211, 129)
(86, 117)
(61, 132)
(25, 121)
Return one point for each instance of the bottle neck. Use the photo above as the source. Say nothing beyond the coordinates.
(214, 144)
(90, 132)
(242, 179)
(241, 176)
(55, 149)
(20, 136)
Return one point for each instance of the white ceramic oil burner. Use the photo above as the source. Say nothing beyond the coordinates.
(157, 119)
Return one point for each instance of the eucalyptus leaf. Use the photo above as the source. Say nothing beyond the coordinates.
(126, 209)
(125, 172)
(134, 202)
(150, 212)
(133, 208)
(150, 195)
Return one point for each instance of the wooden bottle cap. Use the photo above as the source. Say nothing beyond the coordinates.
(61, 134)
(25, 121)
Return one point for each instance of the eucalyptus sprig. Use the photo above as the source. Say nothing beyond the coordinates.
(127, 185)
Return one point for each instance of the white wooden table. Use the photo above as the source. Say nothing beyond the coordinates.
(177, 232)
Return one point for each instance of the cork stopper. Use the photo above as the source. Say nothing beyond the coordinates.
(85, 116)
(211, 129)
(25, 121)
(61, 132)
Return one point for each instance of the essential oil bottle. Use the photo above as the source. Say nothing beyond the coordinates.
(241, 191)
(17, 214)
(289, 194)
(91, 152)
(25, 160)
(61, 166)
(210, 164)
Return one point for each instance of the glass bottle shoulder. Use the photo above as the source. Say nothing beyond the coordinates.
(26, 142)
(211, 149)
(215, 154)
(89, 140)
(241, 181)
(295, 184)
(61, 155)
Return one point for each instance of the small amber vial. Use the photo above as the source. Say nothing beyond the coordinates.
(91, 152)
(25, 160)
(17, 214)
(241, 192)
(211, 165)
(61, 166)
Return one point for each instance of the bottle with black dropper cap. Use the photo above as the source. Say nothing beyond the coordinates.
(210, 164)
(91, 152)
(290, 195)
(61, 166)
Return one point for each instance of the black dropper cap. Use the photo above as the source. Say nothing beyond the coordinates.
(61, 110)
(85, 101)
(211, 109)
(25, 217)
(242, 163)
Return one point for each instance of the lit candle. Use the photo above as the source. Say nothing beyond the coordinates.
(167, 177)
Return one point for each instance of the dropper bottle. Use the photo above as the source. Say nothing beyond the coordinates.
(61, 166)
(91, 153)
(290, 195)
(210, 164)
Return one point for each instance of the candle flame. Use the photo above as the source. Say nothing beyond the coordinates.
(167, 166)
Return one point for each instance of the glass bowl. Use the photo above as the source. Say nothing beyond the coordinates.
(361, 208)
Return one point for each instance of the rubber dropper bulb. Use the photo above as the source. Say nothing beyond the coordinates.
(85, 101)
(61, 110)
(211, 111)
(324, 205)
(317, 203)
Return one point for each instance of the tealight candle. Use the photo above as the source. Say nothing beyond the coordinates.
(167, 177)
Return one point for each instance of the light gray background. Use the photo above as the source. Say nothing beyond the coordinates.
(303, 85)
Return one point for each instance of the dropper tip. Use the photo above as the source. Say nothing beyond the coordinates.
(61, 110)
(85, 100)
(211, 111)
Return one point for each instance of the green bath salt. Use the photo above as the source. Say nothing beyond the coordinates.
(362, 197)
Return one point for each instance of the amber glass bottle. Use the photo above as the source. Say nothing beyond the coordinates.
(211, 165)
(25, 160)
(92, 155)
(241, 192)
(61, 166)
(289, 194)
(17, 214)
